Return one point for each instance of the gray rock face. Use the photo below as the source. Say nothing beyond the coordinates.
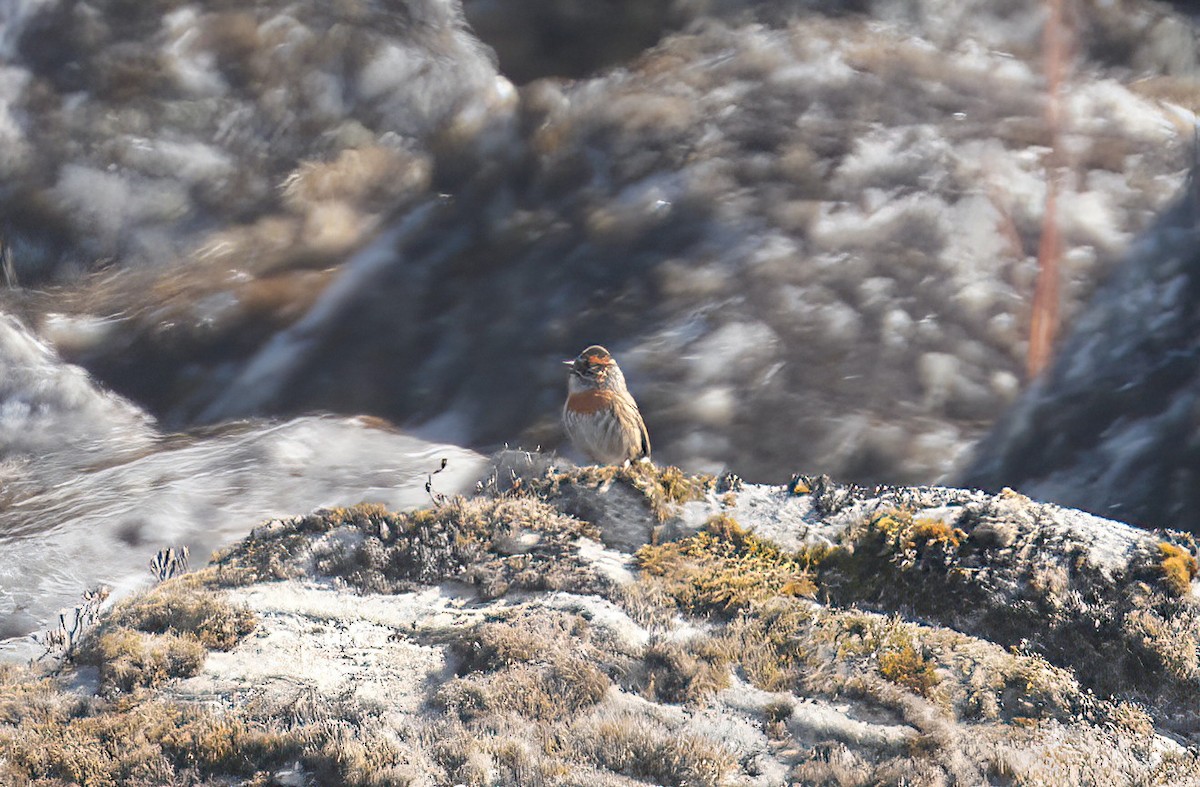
(806, 230)
(1111, 427)
(927, 635)
(89, 485)
(148, 130)
(54, 412)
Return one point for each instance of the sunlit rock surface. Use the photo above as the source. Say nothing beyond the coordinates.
(807, 230)
(917, 635)
(90, 489)
(54, 412)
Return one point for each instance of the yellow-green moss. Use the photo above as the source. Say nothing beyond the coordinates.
(724, 569)
(789, 645)
(907, 533)
(894, 647)
(724, 526)
(1179, 567)
(906, 666)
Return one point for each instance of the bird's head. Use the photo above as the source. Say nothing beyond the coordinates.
(593, 366)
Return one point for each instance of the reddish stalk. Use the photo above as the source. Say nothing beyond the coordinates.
(1044, 320)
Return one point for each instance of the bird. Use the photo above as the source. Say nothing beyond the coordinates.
(600, 416)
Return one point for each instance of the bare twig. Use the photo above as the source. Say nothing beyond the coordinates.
(169, 563)
(437, 497)
(7, 266)
(60, 642)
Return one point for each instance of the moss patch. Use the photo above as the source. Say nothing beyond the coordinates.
(909, 538)
(724, 569)
(787, 645)
(907, 666)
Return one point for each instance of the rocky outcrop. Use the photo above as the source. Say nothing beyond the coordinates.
(812, 633)
(807, 230)
(90, 488)
(1111, 426)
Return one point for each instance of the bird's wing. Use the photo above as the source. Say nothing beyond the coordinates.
(644, 435)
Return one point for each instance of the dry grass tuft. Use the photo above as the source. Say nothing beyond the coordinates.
(685, 672)
(548, 691)
(636, 746)
(542, 666)
(52, 736)
(179, 607)
(130, 659)
(163, 633)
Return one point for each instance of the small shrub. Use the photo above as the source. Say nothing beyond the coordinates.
(130, 659)
(176, 607)
(906, 666)
(1179, 567)
(777, 713)
(909, 535)
(685, 672)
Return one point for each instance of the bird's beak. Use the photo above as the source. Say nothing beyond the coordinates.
(570, 362)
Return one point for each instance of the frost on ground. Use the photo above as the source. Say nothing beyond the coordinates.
(808, 231)
(926, 635)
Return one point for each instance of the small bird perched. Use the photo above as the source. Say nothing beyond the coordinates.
(600, 416)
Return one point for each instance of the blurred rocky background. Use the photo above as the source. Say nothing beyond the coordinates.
(1114, 424)
(808, 230)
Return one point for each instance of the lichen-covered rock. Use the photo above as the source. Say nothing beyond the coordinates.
(923, 635)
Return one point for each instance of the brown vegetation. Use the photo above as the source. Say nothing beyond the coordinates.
(543, 695)
(724, 569)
